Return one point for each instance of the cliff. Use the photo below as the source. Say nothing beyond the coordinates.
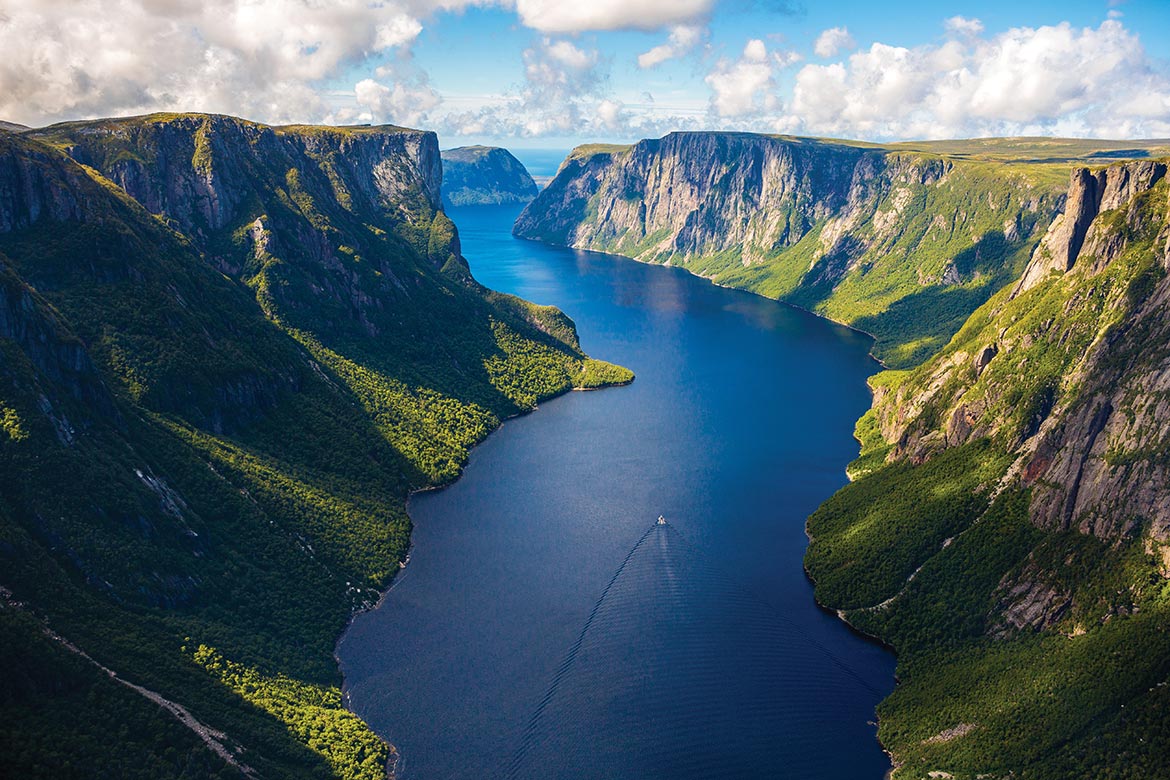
(484, 175)
(1008, 529)
(229, 352)
(901, 242)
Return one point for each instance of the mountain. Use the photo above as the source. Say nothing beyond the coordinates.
(12, 127)
(484, 175)
(230, 351)
(1008, 529)
(903, 241)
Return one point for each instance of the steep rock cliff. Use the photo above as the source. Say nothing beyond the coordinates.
(1067, 369)
(1008, 529)
(287, 209)
(897, 242)
(228, 353)
(484, 175)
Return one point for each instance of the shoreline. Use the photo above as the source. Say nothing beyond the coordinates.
(839, 614)
(396, 760)
(714, 283)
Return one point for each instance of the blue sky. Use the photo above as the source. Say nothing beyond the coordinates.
(552, 73)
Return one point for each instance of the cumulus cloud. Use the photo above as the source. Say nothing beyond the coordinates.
(683, 38)
(1090, 81)
(285, 60)
(405, 101)
(562, 94)
(609, 113)
(963, 27)
(262, 58)
(745, 85)
(568, 16)
(832, 41)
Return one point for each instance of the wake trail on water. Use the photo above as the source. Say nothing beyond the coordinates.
(681, 671)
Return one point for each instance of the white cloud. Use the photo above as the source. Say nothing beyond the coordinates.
(786, 59)
(566, 54)
(832, 41)
(609, 113)
(567, 16)
(558, 70)
(264, 59)
(562, 94)
(1023, 81)
(402, 103)
(683, 38)
(283, 60)
(963, 27)
(745, 85)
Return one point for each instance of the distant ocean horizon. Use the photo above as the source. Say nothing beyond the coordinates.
(542, 164)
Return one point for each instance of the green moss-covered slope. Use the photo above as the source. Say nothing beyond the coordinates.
(904, 241)
(1008, 529)
(228, 352)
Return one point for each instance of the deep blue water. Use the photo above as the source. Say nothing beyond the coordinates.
(546, 627)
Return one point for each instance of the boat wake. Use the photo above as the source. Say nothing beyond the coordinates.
(645, 691)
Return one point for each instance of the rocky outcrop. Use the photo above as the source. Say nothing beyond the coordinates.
(29, 188)
(1029, 602)
(865, 235)
(484, 175)
(1022, 512)
(1089, 194)
(694, 194)
(1076, 381)
(55, 352)
(204, 171)
(325, 223)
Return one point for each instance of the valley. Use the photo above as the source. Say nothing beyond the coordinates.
(248, 345)
(1005, 524)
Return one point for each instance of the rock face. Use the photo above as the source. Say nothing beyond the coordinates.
(693, 194)
(1089, 194)
(858, 233)
(228, 352)
(1010, 518)
(484, 175)
(1085, 331)
(271, 205)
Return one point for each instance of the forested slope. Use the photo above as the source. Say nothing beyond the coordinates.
(1008, 529)
(229, 353)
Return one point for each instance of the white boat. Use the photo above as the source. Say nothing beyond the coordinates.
(661, 520)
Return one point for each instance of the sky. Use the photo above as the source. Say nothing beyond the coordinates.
(555, 73)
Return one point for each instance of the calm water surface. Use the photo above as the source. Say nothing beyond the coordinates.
(547, 627)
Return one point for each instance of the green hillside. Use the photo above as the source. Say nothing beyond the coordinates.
(1006, 530)
(903, 241)
(230, 353)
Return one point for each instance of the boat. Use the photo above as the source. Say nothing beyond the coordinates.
(661, 520)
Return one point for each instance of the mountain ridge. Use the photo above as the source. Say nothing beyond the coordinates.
(245, 368)
(1009, 511)
(902, 241)
(1005, 527)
